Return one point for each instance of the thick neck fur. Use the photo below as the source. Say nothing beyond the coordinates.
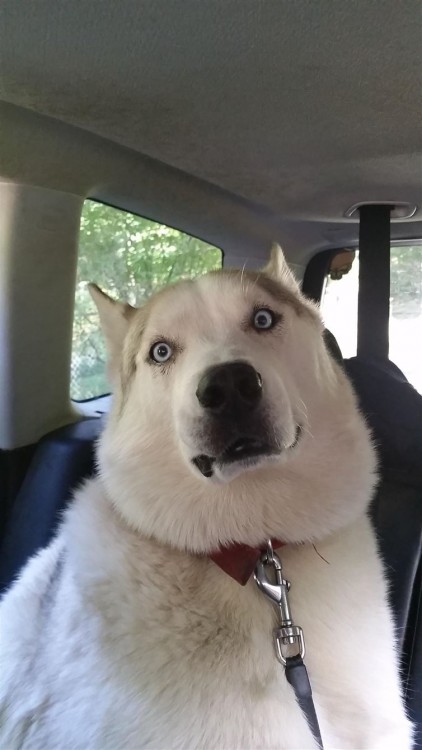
(137, 581)
(316, 492)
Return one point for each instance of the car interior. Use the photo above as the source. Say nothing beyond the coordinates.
(220, 127)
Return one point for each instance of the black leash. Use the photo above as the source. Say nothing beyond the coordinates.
(297, 677)
(288, 634)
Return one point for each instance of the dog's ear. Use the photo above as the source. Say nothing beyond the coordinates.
(114, 318)
(277, 267)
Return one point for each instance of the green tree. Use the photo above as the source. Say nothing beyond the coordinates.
(129, 258)
(406, 281)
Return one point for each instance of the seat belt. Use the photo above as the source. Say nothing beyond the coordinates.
(374, 282)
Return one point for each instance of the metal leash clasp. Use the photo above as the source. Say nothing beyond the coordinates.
(286, 634)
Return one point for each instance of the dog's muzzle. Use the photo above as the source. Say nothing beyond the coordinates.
(236, 426)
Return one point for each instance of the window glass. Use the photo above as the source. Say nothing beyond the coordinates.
(129, 258)
(339, 310)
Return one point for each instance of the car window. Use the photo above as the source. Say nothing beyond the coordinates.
(129, 257)
(339, 307)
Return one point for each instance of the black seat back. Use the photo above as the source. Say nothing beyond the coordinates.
(393, 409)
(61, 461)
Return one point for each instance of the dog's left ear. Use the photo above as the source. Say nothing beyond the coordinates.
(114, 318)
(277, 267)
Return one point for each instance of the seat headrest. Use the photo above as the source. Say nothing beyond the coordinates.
(333, 347)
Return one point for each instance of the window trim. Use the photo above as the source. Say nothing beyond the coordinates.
(399, 353)
(317, 266)
(104, 202)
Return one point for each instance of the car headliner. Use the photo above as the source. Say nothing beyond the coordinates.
(302, 108)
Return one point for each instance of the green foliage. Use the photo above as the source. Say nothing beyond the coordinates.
(406, 281)
(129, 258)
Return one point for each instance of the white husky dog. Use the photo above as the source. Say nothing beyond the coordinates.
(231, 424)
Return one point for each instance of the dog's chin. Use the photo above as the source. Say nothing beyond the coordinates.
(244, 454)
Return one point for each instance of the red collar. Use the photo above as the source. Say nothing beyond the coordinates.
(239, 560)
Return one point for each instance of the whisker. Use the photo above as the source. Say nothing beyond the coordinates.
(319, 555)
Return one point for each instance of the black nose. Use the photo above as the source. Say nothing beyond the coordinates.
(231, 385)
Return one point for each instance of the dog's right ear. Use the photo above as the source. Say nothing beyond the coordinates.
(114, 318)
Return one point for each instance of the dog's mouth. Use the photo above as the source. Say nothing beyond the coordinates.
(243, 450)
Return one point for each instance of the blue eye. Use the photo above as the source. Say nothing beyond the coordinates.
(263, 319)
(161, 352)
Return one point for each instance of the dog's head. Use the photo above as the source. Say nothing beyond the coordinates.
(231, 421)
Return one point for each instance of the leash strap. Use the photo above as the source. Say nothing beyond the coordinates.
(287, 636)
(297, 677)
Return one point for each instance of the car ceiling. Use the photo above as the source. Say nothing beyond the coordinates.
(302, 107)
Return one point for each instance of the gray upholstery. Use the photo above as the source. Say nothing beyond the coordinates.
(305, 108)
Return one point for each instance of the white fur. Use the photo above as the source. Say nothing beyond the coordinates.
(122, 634)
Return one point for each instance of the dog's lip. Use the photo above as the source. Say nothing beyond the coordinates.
(243, 449)
(205, 464)
(298, 435)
